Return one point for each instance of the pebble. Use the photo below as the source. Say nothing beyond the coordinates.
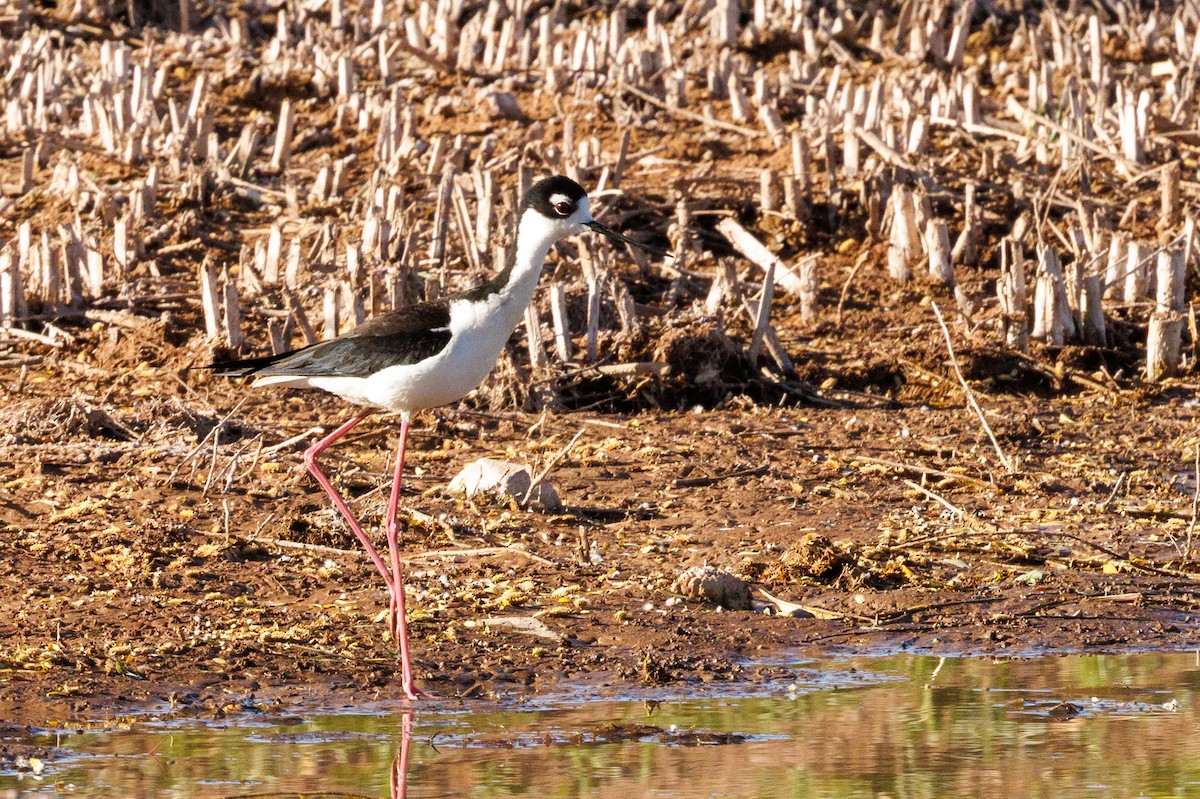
(504, 480)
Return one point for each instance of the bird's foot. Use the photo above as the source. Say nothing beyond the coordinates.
(414, 693)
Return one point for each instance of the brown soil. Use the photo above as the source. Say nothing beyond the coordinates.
(145, 559)
(127, 582)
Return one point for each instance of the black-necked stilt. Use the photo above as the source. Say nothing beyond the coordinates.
(425, 355)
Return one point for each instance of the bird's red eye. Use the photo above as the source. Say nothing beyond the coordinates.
(563, 208)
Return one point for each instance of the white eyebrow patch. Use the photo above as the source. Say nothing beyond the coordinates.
(555, 199)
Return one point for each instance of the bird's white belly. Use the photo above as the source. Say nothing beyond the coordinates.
(445, 378)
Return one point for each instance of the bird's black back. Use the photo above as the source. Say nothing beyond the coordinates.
(405, 336)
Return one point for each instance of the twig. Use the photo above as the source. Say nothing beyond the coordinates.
(284, 543)
(923, 470)
(1112, 494)
(435, 553)
(638, 369)
(204, 441)
(550, 465)
(212, 467)
(957, 511)
(523, 624)
(762, 315)
(253, 461)
(862, 259)
(450, 553)
(293, 440)
(1132, 596)
(679, 112)
(970, 394)
(20, 361)
(700, 482)
(230, 472)
(430, 60)
(757, 253)
(1061, 372)
(262, 525)
(889, 155)
(997, 534)
(602, 423)
(1137, 564)
(17, 332)
(980, 128)
(786, 608)
(245, 184)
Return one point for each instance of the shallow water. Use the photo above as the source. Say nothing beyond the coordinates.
(855, 727)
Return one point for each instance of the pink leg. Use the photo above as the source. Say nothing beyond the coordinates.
(314, 468)
(399, 623)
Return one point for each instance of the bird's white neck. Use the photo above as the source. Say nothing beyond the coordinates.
(499, 312)
(535, 236)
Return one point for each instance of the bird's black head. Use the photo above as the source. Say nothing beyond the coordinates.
(554, 198)
(560, 208)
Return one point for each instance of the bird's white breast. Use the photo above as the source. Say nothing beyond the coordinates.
(478, 332)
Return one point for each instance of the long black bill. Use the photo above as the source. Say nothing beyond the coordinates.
(615, 236)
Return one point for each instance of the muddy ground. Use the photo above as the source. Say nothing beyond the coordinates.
(143, 565)
(146, 561)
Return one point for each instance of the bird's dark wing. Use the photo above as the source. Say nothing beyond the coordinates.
(405, 336)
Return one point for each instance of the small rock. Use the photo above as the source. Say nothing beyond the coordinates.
(503, 105)
(503, 480)
(713, 585)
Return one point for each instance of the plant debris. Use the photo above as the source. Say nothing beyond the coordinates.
(923, 362)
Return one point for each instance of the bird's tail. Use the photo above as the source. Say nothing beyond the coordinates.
(245, 366)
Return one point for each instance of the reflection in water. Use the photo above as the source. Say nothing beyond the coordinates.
(399, 782)
(853, 728)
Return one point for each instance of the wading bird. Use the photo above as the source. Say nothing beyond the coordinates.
(425, 355)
